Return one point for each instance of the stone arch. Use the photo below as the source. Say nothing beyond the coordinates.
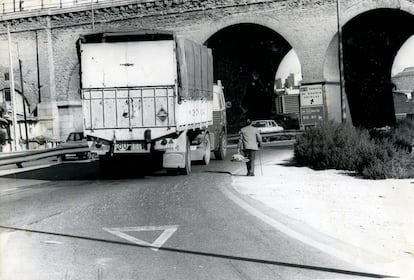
(362, 7)
(246, 58)
(370, 45)
(276, 26)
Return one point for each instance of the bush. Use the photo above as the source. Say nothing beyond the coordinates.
(377, 154)
(3, 136)
(41, 140)
(401, 166)
(329, 146)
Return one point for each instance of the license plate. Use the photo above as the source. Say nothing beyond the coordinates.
(131, 147)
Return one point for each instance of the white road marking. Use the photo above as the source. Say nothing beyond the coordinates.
(51, 242)
(9, 190)
(168, 231)
(349, 257)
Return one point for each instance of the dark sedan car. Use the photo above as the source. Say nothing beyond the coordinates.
(76, 140)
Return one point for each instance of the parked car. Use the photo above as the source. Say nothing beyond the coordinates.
(76, 140)
(267, 126)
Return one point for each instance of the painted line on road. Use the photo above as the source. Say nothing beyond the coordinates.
(287, 230)
(168, 231)
(4, 235)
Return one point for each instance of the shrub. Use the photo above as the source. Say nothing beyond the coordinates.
(3, 136)
(401, 166)
(374, 170)
(377, 154)
(329, 146)
(41, 140)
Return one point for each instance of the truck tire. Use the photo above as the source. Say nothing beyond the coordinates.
(187, 168)
(104, 164)
(207, 150)
(220, 154)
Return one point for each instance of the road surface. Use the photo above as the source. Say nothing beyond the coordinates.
(69, 221)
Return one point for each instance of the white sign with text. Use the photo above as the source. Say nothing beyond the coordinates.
(311, 95)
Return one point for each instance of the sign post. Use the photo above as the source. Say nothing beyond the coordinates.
(312, 109)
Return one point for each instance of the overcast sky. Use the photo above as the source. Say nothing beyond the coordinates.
(404, 57)
(289, 64)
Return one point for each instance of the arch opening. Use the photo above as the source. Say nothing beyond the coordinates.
(370, 43)
(402, 77)
(246, 58)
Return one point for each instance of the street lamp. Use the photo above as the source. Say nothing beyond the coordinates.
(12, 89)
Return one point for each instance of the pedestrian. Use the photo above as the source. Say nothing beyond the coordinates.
(249, 142)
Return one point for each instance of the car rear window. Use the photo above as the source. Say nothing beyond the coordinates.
(75, 136)
(259, 124)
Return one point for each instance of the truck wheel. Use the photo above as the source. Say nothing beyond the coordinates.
(207, 151)
(222, 150)
(187, 168)
(104, 164)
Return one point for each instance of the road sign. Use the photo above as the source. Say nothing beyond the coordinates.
(312, 115)
(311, 95)
(167, 232)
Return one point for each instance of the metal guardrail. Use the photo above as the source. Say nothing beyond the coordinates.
(15, 6)
(24, 156)
(233, 137)
(19, 157)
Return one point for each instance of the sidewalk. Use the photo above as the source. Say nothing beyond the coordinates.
(374, 217)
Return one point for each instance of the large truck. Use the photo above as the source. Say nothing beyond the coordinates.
(151, 93)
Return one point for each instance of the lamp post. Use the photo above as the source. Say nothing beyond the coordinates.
(340, 62)
(92, 16)
(12, 89)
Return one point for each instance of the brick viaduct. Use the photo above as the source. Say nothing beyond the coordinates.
(309, 26)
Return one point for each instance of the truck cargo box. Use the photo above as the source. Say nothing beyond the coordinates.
(132, 82)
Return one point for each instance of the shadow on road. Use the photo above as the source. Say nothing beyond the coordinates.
(88, 170)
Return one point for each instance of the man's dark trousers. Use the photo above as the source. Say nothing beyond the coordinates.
(251, 155)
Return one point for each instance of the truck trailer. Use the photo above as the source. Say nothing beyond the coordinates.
(151, 93)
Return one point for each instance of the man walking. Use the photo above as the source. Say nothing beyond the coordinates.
(249, 142)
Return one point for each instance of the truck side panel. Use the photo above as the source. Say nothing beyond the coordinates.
(194, 114)
(196, 70)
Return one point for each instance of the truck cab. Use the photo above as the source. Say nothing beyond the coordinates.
(219, 127)
(216, 133)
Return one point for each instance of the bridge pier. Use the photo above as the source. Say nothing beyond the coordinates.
(48, 114)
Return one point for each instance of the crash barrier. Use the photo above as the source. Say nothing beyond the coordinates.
(30, 6)
(235, 137)
(24, 156)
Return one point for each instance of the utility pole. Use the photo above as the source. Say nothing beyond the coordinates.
(12, 89)
(93, 16)
(341, 63)
(38, 71)
(23, 99)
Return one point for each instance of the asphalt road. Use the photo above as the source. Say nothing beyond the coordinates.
(68, 221)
